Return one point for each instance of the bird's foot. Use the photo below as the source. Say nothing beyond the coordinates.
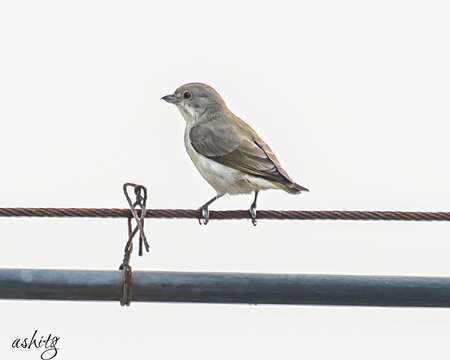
(252, 211)
(205, 215)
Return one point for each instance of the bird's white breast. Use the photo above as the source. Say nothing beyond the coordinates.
(223, 179)
(220, 177)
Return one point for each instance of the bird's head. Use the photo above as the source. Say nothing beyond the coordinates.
(195, 99)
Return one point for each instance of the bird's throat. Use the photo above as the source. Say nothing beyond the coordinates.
(189, 115)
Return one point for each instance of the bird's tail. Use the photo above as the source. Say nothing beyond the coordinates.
(293, 188)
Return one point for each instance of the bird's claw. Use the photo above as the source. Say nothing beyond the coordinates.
(252, 211)
(205, 216)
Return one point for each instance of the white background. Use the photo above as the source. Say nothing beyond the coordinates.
(353, 97)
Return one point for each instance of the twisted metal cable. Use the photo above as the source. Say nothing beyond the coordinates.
(140, 194)
(227, 214)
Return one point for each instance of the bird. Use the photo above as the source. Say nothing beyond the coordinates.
(227, 152)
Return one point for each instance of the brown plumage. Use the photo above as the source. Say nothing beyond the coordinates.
(228, 140)
(228, 153)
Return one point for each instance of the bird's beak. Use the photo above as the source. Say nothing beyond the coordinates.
(170, 99)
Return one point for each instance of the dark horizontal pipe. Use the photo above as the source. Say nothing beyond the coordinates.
(159, 286)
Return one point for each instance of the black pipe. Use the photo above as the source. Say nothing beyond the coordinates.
(190, 287)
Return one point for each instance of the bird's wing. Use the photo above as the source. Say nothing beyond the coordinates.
(236, 145)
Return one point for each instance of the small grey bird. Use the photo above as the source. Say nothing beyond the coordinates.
(227, 152)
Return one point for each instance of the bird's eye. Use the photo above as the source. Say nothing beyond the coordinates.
(187, 95)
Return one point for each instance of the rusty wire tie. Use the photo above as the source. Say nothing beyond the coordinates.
(140, 193)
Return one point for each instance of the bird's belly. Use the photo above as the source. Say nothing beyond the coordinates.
(223, 179)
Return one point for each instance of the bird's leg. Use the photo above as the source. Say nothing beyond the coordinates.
(253, 208)
(205, 210)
